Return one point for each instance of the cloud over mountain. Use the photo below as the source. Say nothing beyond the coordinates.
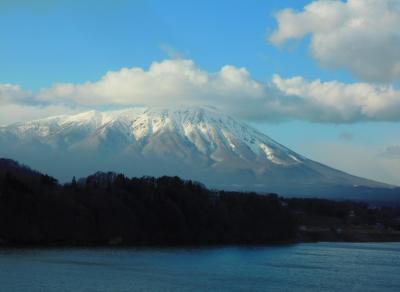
(11, 93)
(232, 89)
(166, 82)
(361, 36)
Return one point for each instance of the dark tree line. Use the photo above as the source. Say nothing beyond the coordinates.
(111, 209)
(107, 208)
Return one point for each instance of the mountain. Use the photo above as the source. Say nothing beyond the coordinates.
(198, 143)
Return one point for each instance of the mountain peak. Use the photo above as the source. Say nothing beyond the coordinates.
(195, 142)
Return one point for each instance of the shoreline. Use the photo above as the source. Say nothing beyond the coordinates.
(186, 246)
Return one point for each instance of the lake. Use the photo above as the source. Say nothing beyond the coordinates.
(300, 267)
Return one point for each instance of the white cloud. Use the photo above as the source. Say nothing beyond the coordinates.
(164, 83)
(13, 113)
(175, 82)
(338, 102)
(359, 35)
(12, 93)
(232, 89)
(18, 105)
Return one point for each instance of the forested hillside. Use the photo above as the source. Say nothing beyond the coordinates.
(111, 209)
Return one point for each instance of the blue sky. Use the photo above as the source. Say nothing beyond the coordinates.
(76, 41)
(49, 42)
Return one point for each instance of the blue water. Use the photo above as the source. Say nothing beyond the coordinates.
(302, 267)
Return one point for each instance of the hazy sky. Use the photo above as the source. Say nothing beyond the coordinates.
(321, 77)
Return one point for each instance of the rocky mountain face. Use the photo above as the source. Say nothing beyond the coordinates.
(197, 143)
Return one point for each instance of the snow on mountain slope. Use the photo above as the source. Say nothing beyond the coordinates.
(194, 142)
(205, 129)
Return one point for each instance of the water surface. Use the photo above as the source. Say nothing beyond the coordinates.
(301, 267)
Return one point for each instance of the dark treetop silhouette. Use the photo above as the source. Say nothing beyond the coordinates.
(111, 209)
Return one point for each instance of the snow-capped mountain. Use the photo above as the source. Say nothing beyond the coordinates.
(199, 143)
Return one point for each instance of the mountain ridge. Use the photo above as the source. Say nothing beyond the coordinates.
(195, 142)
